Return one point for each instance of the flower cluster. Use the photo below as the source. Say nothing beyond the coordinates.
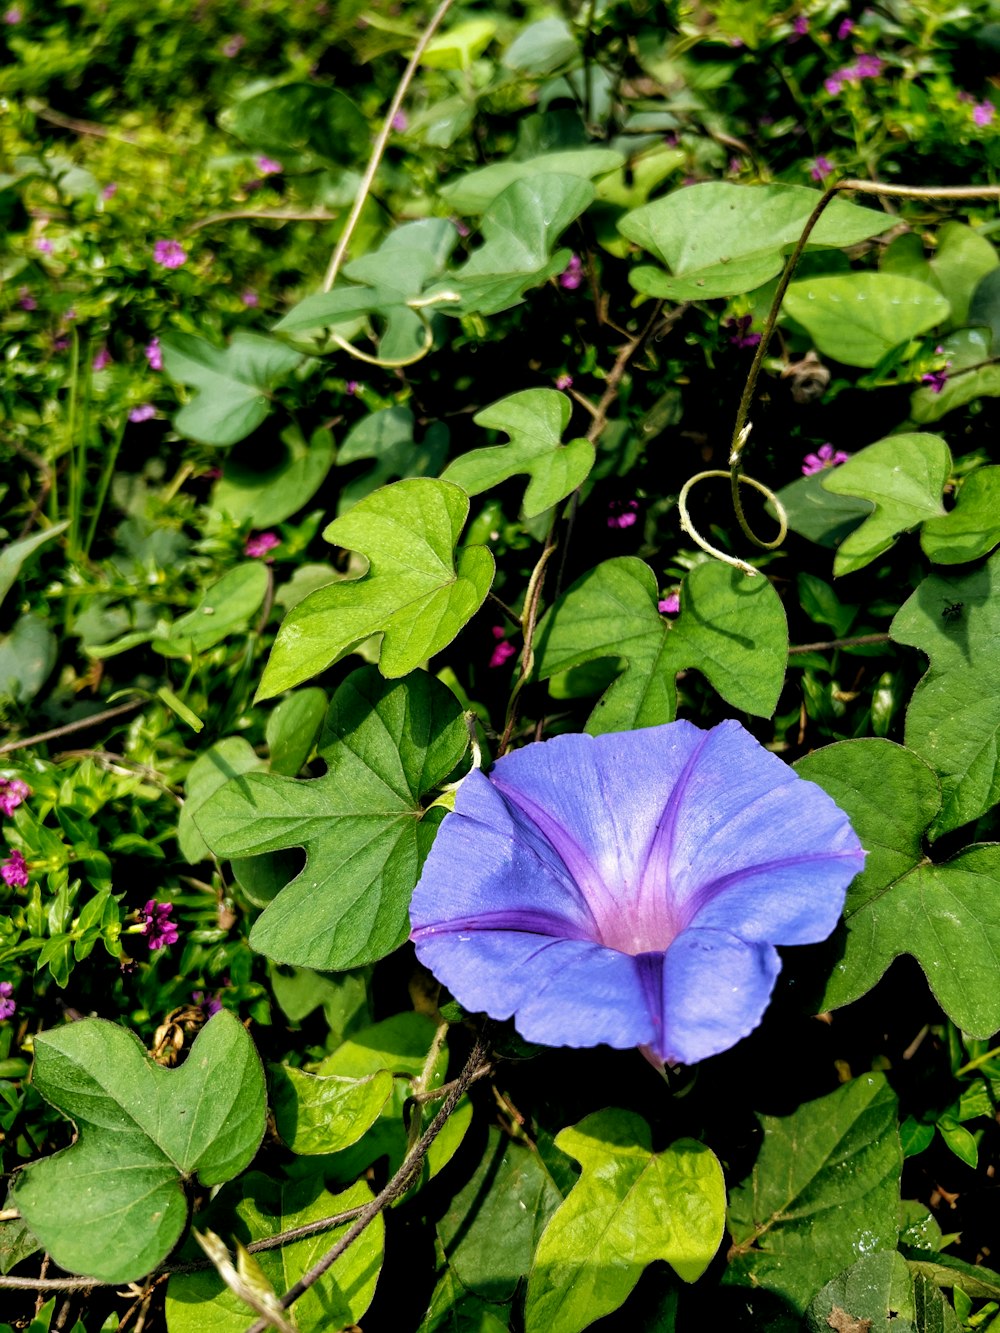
(15, 870)
(865, 67)
(504, 649)
(157, 925)
(12, 793)
(169, 254)
(825, 457)
(7, 1006)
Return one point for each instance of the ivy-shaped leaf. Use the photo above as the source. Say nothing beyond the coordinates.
(903, 477)
(261, 499)
(535, 420)
(824, 1191)
(630, 1207)
(858, 318)
(972, 528)
(947, 916)
(113, 1204)
(387, 436)
(385, 746)
(416, 594)
(953, 720)
(731, 628)
(232, 387)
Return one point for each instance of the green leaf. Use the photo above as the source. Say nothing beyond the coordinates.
(953, 720)
(542, 47)
(813, 512)
(214, 767)
(519, 229)
(459, 46)
(248, 495)
(823, 1192)
(415, 593)
(630, 1207)
(316, 1114)
(535, 420)
(731, 628)
(474, 192)
(113, 1205)
(858, 318)
(387, 436)
(27, 655)
(945, 1270)
(903, 477)
(882, 1294)
(292, 730)
(299, 118)
(13, 556)
(720, 239)
(232, 387)
(960, 259)
(202, 1303)
(947, 916)
(966, 348)
(455, 1310)
(984, 309)
(224, 608)
(494, 1222)
(386, 745)
(972, 528)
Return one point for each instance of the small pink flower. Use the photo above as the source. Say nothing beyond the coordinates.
(234, 46)
(25, 300)
(800, 26)
(351, 388)
(982, 113)
(153, 354)
(845, 29)
(936, 379)
(144, 412)
(735, 166)
(14, 870)
(110, 190)
(43, 245)
(59, 344)
(159, 929)
(268, 166)
(169, 254)
(741, 335)
(868, 66)
(7, 1006)
(572, 274)
(12, 793)
(824, 457)
(400, 122)
(564, 382)
(102, 360)
(669, 605)
(504, 650)
(821, 168)
(623, 513)
(261, 544)
(250, 297)
(834, 82)
(13, 15)
(460, 227)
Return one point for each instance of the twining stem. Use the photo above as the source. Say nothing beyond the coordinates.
(839, 643)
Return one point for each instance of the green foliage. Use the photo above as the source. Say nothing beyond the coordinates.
(881, 1292)
(858, 318)
(322, 1115)
(232, 387)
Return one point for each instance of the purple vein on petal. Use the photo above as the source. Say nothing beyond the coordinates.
(529, 920)
(706, 892)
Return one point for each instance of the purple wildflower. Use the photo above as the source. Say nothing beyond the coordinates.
(7, 1006)
(400, 122)
(153, 354)
(159, 929)
(564, 382)
(825, 457)
(110, 190)
(504, 650)
(25, 300)
(169, 254)
(740, 335)
(982, 113)
(572, 274)
(868, 67)
(13, 15)
(268, 166)
(209, 1004)
(144, 412)
(460, 227)
(12, 792)
(936, 379)
(102, 360)
(595, 908)
(845, 29)
(233, 46)
(351, 388)
(43, 245)
(800, 26)
(622, 513)
(821, 168)
(261, 544)
(59, 343)
(669, 605)
(249, 297)
(14, 870)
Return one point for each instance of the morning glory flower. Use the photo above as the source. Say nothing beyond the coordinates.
(629, 889)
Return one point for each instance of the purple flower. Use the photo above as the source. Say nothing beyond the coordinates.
(13, 15)
(572, 274)
(153, 354)
(25, 300)
(936, 379)
(160, 930)
(43, 245)
(144, 412)
(824, 457)
(845, 29)
(740, 335)
(110, 190)
(268, 166)
(629, 889)
(622, 513)
(15, 870)
(982, 113)
(564, 382)
(233, 46)
(868, 67)
(504, 651)
(170, 254)
(209, 1004)
(460, 227)
(821, 168)
(400, 122)
(102, 360)
(261, 544)
(800, 26)
(12, 792)
(7, 1006)
(351, 388)
(669, 605)
(250, 297)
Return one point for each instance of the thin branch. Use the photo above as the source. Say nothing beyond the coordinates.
(86, 127)
(81, 724)
(266, 215)
(839, 643)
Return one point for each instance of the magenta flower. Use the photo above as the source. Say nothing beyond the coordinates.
(268, 166)
(169, 254)
(102, 360)
(144, 412)
(12, 793)
(800, 26)
(669, 605)
(825, 457)
(261, 544)
(110, 190)
(868, 67)
(7, 1006)
(43, 245)
(351, 388)
(25, 300)
(936, 379)
(845, 29)
(159, 929)
(250, 297)
(623, 513)
(564, 382)
(982, 113)
(400, 122)
(460, 227)
(209, 1004)
(13, 15)
(233, 46)
(741, 335)
(821, 168)
(504, 650)
(14, 870)
(153, 354)
(572, 274)
(629, 889)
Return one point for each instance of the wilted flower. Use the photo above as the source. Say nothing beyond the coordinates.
(821, 168)
(740, 334)
(629, 889)
(153, 354)
(261, 544)
(15, 870)
(159, 929)
(824, 457)
(12, 792)
(144, 412)
(171, 254)
(572, 274)
(504, 650)
(622, 513)
(669, 605)
(268, 166)
(102, 360)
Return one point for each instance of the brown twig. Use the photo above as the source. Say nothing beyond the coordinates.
(86, 127)
(81, 724)
(839, 643)
(266, 215)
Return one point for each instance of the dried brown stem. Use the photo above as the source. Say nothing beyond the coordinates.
(81, 724)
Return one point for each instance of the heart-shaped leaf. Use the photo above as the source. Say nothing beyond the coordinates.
(972, 528)
(731, 627)
(112, 1205)
(387, 436)
(386, 745)
(232, 387)
(904, 478)
(416, 594)
(301, 117)
(630, 1207)
(249, 495)
(860, 317)
(224, 608)
(535, 420)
